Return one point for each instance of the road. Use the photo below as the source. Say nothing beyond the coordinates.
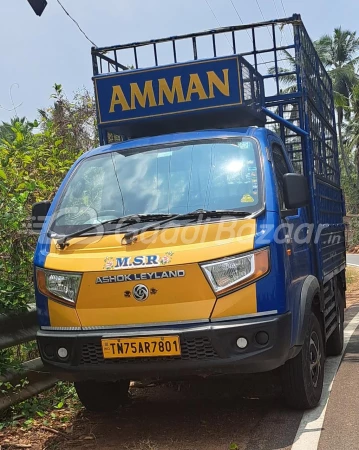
(241, 413)
(342, 417)
(353, 260)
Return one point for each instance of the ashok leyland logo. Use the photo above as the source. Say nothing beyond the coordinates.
(111, 263)
(140, 292)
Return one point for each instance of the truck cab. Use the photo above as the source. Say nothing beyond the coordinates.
(195, 241)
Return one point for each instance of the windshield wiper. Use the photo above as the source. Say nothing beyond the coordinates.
(130, 236)
(220, 212)
(63, 241)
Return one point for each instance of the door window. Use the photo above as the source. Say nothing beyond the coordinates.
(280, 169)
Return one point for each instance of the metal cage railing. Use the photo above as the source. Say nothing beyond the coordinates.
(296, 84)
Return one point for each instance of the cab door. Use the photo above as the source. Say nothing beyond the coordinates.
(295, 229)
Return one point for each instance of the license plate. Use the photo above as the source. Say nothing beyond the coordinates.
(142, 347)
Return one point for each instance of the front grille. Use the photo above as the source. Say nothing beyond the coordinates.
(197, 348)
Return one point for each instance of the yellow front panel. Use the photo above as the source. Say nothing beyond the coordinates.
(62, 315)
(175, 299)
(184, 298)
(238, 303)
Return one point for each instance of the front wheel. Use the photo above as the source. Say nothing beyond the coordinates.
(302, 376)
(102, 396)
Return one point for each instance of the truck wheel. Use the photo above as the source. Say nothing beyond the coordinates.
(336, 341)
(302, 376)
(102, 396)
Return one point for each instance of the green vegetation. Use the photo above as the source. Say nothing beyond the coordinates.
(34, 158)
(339, 53)
(55, 406)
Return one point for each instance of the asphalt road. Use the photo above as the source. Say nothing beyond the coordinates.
(239, 413)
(352, 259)
(340, 428)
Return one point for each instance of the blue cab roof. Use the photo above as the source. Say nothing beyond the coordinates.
(175, 138)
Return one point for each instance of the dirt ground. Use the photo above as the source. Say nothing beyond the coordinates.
(352, 295)
(237, 413)
(207, 415)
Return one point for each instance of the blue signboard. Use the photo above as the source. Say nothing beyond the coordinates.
(164, 91)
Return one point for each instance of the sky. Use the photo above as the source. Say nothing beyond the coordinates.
(40, 51)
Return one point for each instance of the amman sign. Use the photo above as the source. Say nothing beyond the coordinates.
(163, 91)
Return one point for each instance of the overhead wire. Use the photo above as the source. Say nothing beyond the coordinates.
(219, 23)
(281, 27)
(250, 37)
(282, 34)
(278, 15)
(276, 8)
(260, 9)
(285, 13)
(79, 27)
(76, 23)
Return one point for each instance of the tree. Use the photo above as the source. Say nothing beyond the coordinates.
(338, 54)
(289, 80)
(74, 121)
(32, 166)
(351, 142)
(8, 130)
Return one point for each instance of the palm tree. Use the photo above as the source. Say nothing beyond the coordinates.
(338, 54)
(288, 84)
(352, 129)
(286, 79)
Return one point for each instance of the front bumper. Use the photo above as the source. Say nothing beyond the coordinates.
(207, 349)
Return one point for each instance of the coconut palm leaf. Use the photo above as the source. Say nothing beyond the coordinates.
(286, 78)
(338, 53)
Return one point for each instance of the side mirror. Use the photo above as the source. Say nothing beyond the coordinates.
(296, 192)
(39, 213)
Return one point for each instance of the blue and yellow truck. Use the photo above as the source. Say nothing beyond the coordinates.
(205, 235)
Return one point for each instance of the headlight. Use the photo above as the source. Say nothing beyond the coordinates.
(228, 274)
(61, 286)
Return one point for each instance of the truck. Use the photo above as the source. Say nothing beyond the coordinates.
(205, 236)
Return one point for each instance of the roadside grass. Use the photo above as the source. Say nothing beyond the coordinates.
(53, 407)
(352, 294)
(352, 277)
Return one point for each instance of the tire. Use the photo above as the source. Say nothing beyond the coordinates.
(302, 382)
(102, 396)
(335, 343)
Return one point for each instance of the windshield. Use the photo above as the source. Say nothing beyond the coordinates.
(211, 175)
